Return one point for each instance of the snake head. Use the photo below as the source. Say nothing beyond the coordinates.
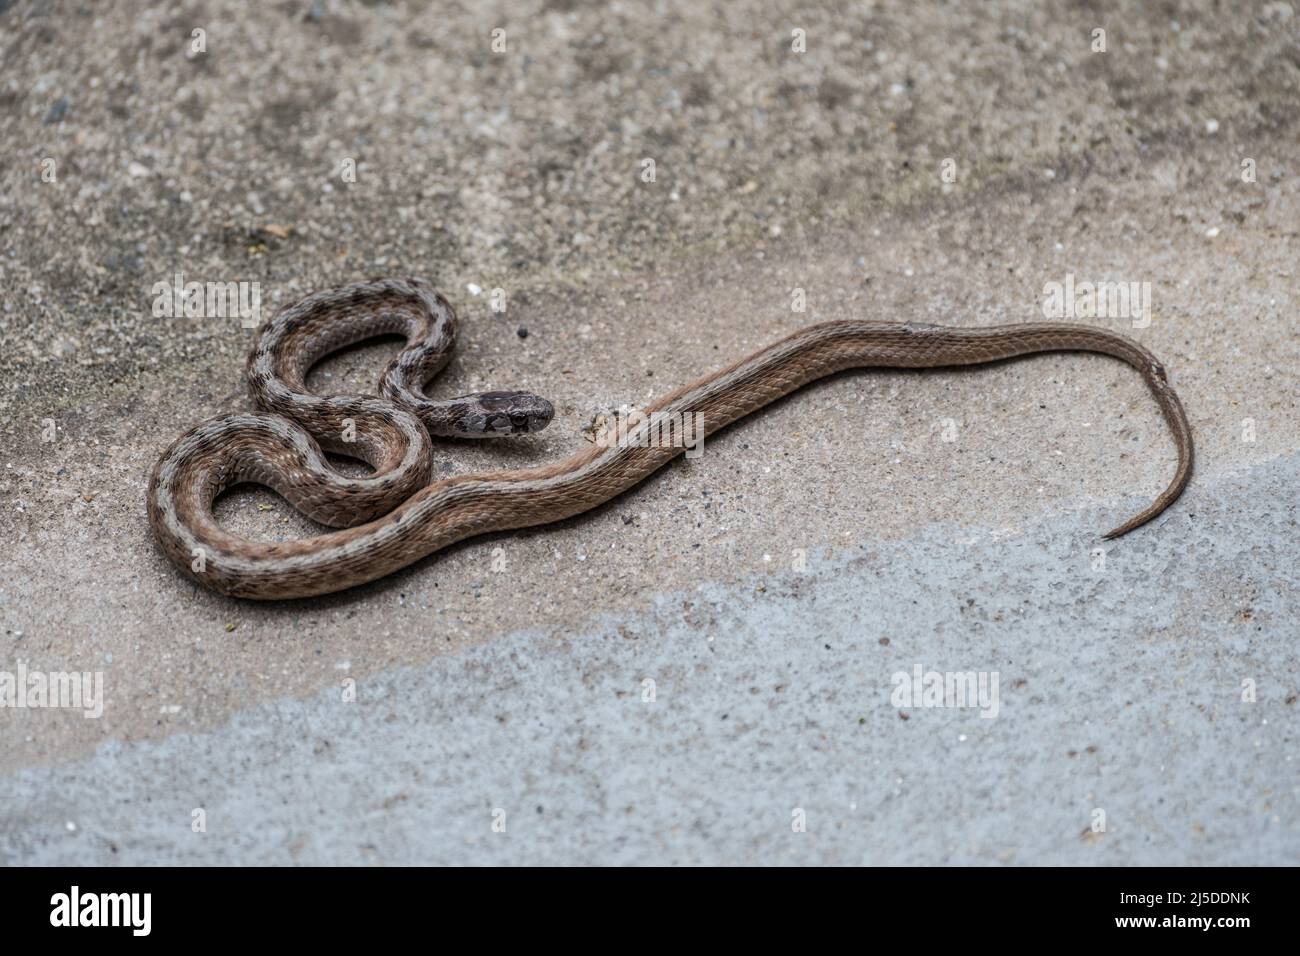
(491, 414)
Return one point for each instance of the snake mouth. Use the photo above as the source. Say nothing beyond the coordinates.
(522, 423)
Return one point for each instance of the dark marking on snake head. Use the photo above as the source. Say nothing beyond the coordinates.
(506, 413)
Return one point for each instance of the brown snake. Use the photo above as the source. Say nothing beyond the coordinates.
(394, 517)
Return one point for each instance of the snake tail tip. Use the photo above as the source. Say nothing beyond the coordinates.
(1125, 528)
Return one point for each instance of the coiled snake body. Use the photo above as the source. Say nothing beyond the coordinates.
(393, 517)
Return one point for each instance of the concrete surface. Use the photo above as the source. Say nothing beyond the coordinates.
(772, 699)
(756, 586)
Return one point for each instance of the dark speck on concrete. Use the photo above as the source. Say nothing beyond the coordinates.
(58, 110)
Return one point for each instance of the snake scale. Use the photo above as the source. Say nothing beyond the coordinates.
(393, 516)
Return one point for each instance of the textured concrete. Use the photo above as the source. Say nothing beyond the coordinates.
(954, 513)
(1120, 691)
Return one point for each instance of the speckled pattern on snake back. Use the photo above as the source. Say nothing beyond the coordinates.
(394, 516)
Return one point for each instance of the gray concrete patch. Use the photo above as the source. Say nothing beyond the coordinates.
(1120, 690)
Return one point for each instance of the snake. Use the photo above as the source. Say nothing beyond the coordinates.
(394, 516)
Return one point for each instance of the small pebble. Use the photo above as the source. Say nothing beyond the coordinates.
(57, 111)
